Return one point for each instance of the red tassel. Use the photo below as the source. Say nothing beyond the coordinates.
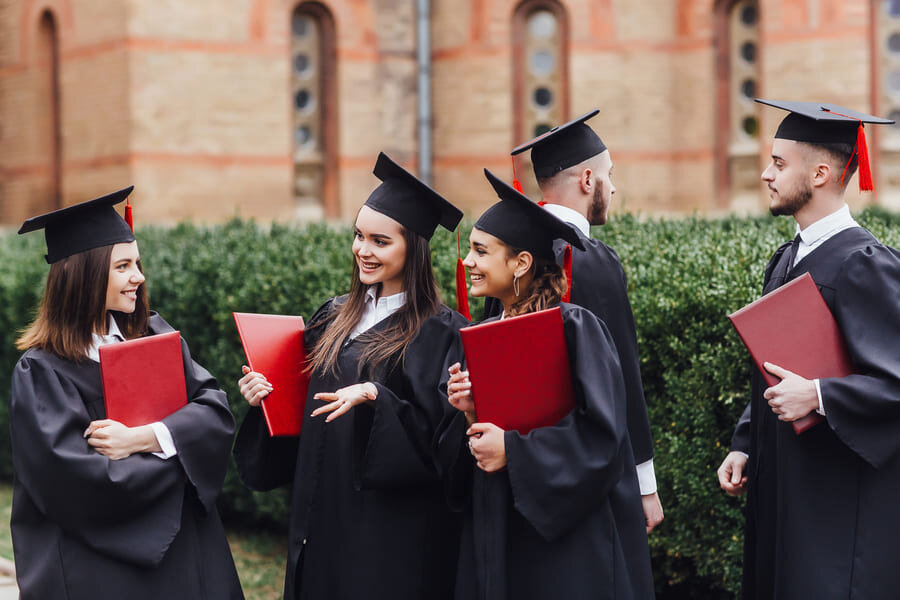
(567, 269)
(462, 294)
(517, 185)
(128, 218)
(865, 170)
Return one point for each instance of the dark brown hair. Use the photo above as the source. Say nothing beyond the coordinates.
(842, 157)
(387, 347)
(74, 307)
(546, 288)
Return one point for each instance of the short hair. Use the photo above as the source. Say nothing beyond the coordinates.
(842, 156)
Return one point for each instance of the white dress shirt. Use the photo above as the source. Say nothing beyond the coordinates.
(114, 335)
(646, 474)
(814, 236)
(377, 309)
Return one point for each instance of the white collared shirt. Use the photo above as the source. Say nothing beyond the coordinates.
(573, 217)
(162, 433)
(377, 309)
(814, 236)
(822, 230)
(645, 472)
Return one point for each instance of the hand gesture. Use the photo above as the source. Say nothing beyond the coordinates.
(459, 389)
(793, 397)
(254, 386)
(731, 474)
(487, 445)
(344, 399)
(117, 441)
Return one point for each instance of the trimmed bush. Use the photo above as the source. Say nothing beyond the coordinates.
(685, 276)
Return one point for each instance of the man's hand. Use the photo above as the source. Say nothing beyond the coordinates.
(793, 397)
(731, 474)
(653, 511)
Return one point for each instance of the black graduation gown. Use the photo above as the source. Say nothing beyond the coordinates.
(141, 528)
(599, 285)
(368, 516)
(564, 519)
(822, 518)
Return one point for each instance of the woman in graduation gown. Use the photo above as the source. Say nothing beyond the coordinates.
(101, 510)
(368, 517)
(555, 513)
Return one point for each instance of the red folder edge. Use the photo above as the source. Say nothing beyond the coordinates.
(516, 359)
(143, 378)
(282, 412)
(825, 346)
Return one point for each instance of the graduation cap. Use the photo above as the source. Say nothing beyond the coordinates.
(823, 123)
(410, 202)
(83, 226)
(563, 146)
(521, 223)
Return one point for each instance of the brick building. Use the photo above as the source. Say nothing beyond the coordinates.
(276, 108)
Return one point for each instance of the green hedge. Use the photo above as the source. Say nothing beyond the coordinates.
(685, 276)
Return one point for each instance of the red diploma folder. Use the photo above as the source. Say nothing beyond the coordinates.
(143, 379)
(792, 327)
(274, 347)
(519, 369)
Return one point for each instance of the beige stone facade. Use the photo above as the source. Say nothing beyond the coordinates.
(192, 101)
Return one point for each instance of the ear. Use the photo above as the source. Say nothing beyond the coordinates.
(821, 174)
(586, 181)
(524, 261)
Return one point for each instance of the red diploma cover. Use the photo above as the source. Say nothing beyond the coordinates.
(792, 327)
(274, 347)
(143, 379)
(519, 369)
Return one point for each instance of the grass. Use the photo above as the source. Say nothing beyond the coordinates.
(258, 555)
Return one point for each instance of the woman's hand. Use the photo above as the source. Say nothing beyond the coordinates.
(344, 399)
(459, 389)
(487, 445)
(116, 441)
(254, 386)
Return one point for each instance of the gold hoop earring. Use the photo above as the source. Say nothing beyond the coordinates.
(516, 284)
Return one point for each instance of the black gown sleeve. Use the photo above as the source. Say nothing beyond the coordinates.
(129, 509)
(559, 474)
(399, 448)
(263, 462)
(740, 439)
(864, 409)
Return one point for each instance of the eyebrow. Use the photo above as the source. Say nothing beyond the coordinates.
(381, 236)
(776, 157)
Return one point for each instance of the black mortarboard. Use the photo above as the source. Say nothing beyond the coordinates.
(521, 223)
(82, 226)
(823, 123)
(404, 198)
(563, 146)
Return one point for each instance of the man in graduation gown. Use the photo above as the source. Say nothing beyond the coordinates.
(822, 519)
(573, 169)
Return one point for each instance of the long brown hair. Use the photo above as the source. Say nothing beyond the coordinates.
(74, 307)
(546, 288)
(385, 348)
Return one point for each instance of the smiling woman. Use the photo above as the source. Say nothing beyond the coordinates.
(138, 509)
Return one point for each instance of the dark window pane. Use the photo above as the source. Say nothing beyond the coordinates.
(749, 16)
(302, 99)
(893, 82)
(750, 126)
(300, 25)
(748, 88)
(543, 97)
(302, 136)
(748, 52)
(894, 42)
(301, 63)
(893, 7)
(541, 129)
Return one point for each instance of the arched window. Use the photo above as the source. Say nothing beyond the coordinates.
(738, 144)
(540, 69)
(312, 98)
(49, 142)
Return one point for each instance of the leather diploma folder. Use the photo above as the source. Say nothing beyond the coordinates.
(519, 369)
(792, 327)
(143, 378)
(274, 347)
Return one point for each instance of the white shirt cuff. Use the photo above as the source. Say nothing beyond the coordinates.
(821, 409)
(646, 478)
(164, 437)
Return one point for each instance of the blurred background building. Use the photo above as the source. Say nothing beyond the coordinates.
(276, 109)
